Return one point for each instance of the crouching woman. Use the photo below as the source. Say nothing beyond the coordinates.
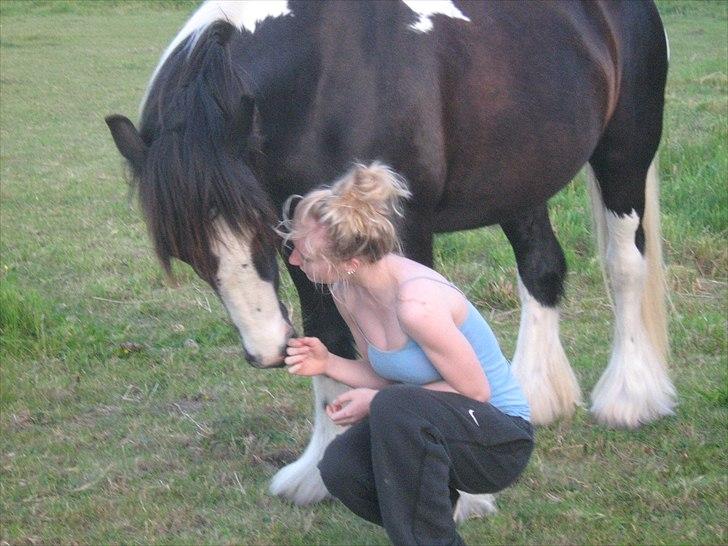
(434, 406)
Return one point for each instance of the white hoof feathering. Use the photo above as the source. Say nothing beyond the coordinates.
(635, 388)
(473, 506)
(300, 482)
(540, 364)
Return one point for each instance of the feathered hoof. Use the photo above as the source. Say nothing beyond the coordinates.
(549, 406)
(300, 483)
(619, 404)
(634, 389)
(473, 506)
(551, 397)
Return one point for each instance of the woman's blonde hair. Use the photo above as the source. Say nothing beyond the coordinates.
(358, 213)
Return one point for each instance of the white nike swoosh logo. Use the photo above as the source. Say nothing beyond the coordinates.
(472, 414)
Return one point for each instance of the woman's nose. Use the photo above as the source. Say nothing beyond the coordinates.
(293, 258)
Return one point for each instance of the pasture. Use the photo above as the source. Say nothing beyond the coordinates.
(128, 414)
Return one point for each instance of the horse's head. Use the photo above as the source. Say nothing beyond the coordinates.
(202, 203)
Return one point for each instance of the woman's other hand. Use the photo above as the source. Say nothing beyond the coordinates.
(306, 356)
(351, 407)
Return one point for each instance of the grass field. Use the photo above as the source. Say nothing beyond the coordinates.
(129, 415)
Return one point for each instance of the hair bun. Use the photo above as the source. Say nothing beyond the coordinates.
(373, 186)
(359, 213)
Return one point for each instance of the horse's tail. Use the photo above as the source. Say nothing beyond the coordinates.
(653, 297)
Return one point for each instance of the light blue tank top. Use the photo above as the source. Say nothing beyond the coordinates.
(411, 365)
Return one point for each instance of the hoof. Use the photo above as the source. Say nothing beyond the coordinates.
(473, 506)
(300, 483)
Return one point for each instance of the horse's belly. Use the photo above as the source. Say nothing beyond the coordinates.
(497, 182)
(485, 208)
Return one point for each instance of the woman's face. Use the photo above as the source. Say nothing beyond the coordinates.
(309, 259)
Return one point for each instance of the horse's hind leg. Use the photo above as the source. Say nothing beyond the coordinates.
(539, 362)
(635, 387)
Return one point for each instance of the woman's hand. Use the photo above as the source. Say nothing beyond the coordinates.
(351, 407)
(306, 356)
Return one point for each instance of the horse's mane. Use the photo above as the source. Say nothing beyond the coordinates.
(196, 164)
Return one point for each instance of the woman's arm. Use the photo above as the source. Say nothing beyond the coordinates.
(355, 373)
(429, 322)
(309, 356)
(442, 386)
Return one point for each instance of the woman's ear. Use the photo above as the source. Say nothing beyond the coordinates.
(350, 266)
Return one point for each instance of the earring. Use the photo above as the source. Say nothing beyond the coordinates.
(350, 272)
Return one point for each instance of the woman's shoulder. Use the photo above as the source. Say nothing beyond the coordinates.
(407, 272)
(422, 291)
(430, 299)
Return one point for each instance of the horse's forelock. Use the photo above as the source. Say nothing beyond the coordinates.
(194, 170)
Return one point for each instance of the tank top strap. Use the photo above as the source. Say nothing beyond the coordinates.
(361, 330)
(446, 283)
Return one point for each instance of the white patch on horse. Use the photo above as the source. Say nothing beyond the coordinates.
(426, 8)
(635, 387)
(540, 364)
(241, 13)
(473, 506)
(251, 302)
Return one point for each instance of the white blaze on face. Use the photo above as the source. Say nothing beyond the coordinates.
(251, 301)
(426, 8)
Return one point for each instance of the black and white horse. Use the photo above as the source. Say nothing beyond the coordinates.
(488, 108)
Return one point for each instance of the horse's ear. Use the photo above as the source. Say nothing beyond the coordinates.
(128, 140)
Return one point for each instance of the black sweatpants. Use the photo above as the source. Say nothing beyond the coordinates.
(401, 466)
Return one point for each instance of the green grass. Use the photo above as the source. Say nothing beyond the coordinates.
(114, 428)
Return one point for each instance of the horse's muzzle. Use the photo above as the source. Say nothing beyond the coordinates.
(273, 363)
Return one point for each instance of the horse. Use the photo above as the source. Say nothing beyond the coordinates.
(486, 108)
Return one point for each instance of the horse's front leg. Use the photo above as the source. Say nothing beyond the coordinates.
(539, 362)
(300, 482)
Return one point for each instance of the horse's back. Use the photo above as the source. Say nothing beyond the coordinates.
(528, 94)
(499, 108)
